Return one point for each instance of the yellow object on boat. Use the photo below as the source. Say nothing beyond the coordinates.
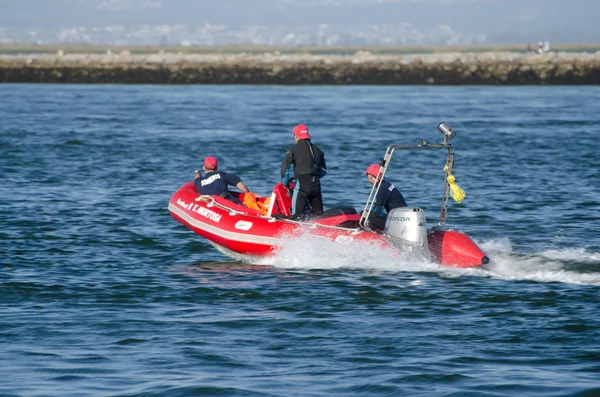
(455, 191)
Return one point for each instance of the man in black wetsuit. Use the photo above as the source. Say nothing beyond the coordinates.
(309, 167)
(388, 198)
(215, 182)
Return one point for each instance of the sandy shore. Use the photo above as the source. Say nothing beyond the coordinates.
(362, 67)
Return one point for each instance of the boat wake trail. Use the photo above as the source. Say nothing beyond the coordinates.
(570, 266)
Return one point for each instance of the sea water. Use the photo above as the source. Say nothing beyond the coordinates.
(103, 293)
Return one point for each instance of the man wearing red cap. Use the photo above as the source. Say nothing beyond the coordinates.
(309, 167)
(216, 182)
(388, 197)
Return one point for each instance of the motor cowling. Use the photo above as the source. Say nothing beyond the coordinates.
(406, 228)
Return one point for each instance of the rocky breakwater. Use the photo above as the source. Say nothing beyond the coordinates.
(496, 68)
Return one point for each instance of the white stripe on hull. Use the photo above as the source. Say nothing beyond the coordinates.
(232, 236)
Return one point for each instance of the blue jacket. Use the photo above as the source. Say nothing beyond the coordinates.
(388, 198)
(215, 183)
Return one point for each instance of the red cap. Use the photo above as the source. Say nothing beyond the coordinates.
(373, 170)
(301, 131)
(210, 163)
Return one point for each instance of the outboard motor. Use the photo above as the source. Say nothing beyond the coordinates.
(407, 229)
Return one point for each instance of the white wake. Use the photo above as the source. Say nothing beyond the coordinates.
(312, 253)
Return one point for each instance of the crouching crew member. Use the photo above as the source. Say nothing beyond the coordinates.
(388, 198)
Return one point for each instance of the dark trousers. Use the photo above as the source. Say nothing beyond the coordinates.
(310, 189)
(376, 222)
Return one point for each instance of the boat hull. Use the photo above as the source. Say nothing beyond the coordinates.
(246, 234)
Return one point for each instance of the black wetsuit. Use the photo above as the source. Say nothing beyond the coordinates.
(388, 198)
(215, 183)
(309, 167)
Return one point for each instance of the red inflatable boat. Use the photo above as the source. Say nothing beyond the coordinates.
(246, 234)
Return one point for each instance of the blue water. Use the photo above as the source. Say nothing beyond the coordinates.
(102, 293)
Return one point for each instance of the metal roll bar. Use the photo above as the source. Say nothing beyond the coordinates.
(448, 134)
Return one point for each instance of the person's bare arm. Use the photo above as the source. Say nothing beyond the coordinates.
(242, 187)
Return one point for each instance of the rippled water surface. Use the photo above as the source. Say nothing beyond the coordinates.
(102, 293)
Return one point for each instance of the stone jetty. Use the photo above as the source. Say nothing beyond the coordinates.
(362, 67)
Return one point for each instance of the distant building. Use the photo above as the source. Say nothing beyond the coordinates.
(546, 46)
(540, 47)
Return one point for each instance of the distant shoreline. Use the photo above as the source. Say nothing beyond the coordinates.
(108, 66)
(16, 48)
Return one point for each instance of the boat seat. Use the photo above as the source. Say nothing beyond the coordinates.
(283, 201)
(283, 206)
(335, 212)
